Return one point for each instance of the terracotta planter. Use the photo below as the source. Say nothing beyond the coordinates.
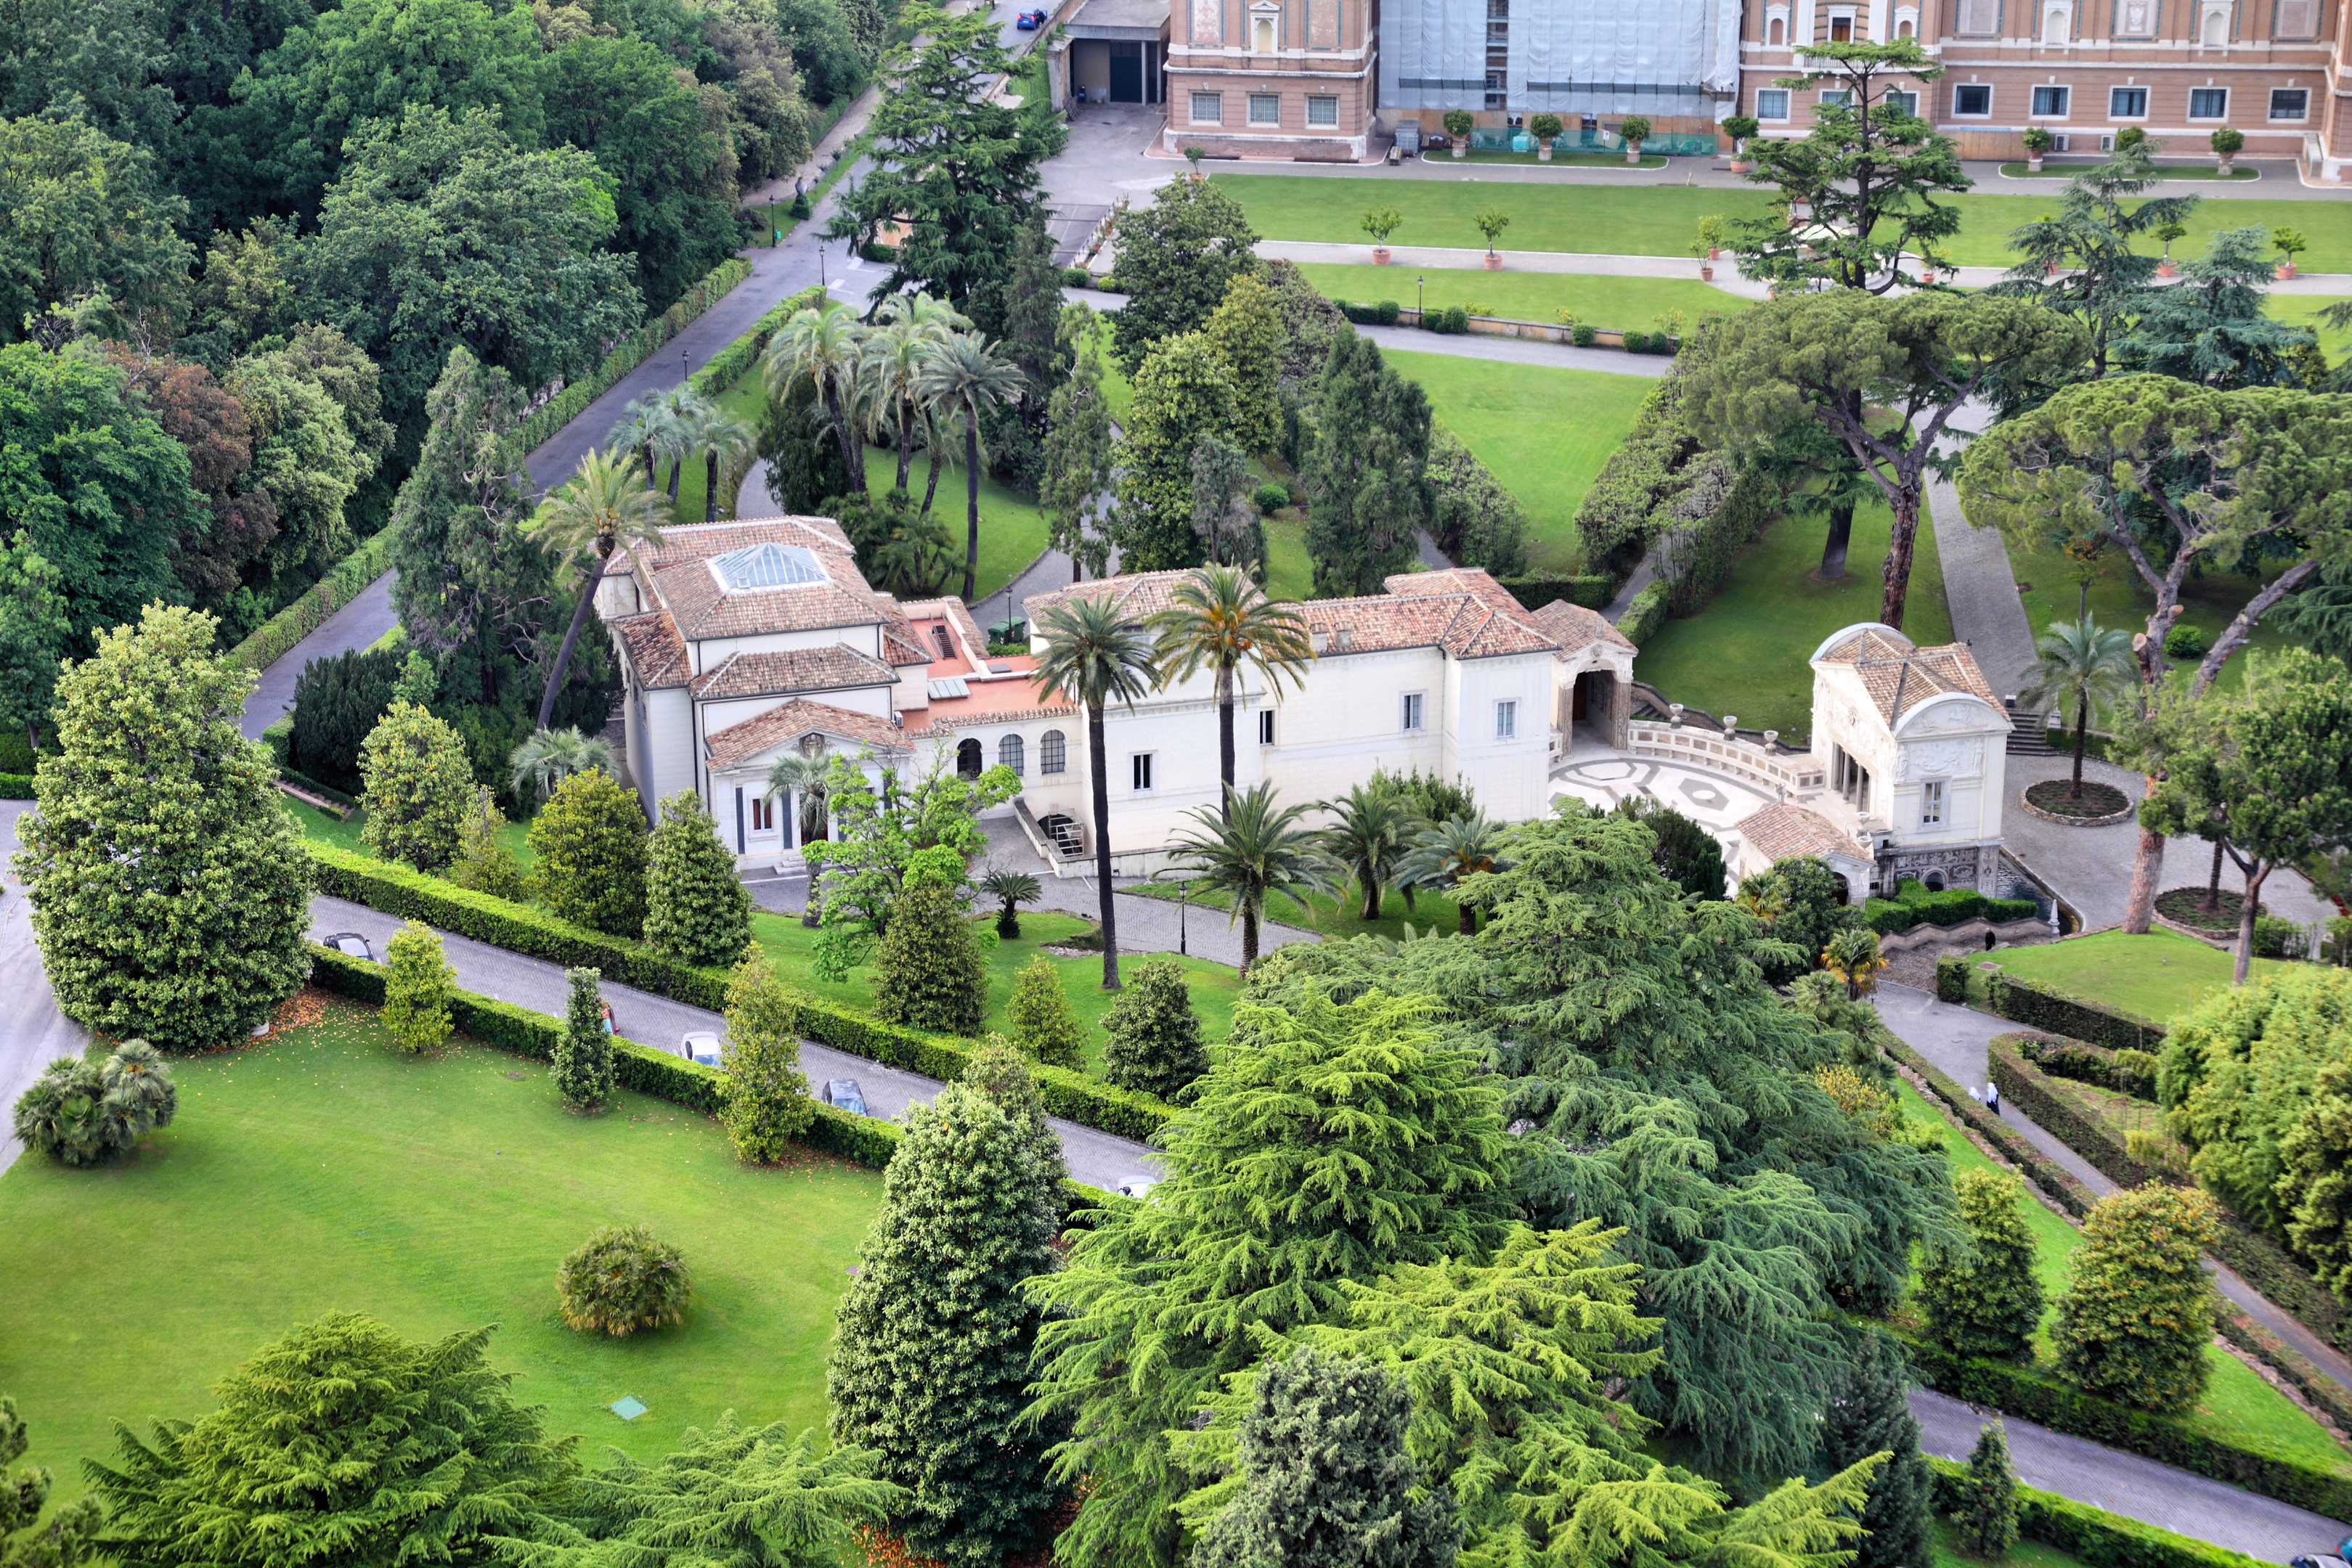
(1705, 272)
(2166, 270)
(1543, 152)
(1494, 262)
(1460, 150)
(1380, 255)
(1740, 165)
(2286, 271)
(2224, 165)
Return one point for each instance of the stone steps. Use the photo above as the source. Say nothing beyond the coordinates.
(2027, 737)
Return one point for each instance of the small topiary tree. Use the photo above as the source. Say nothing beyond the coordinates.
(695, 910)
(1985, 1521)
(2226, 143)
(1545, 129)
(2135, 1322)
(1491, 222)
(417, 981)
(764, 1102)
(1635, 131)
(81, 1113)
(1043, 1023)
(622, 1280)
(1987, 1304)
(416, 784)
(589, 842)
(1740, 128)
(583, 1052)
(1871, 1415)
(927, 970)
(1458, 122)
(1155, 1039)
(485, 864)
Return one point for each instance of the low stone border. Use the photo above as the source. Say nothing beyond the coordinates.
(2226, 944)
(1967, 936)
(2110, 819)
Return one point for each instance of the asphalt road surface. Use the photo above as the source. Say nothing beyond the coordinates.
(35, 1032)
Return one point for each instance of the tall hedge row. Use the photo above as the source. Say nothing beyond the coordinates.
(1613, 519)
(632, 351)
(2043, 1007)
(2090, 1536)
(1702, 530)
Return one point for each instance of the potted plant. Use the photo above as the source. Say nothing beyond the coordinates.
(1492, 223)
(1711, 228)
(1381, 222)
(1706, 260)
(1740, 128)
(2037, 141)
(1193, 155)
(1635, 131)
(2130, 137)
(2287, 242)
(1544, 128)
(2168, 233)
(1458, 122)
(2226, 143)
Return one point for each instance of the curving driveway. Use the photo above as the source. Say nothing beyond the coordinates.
(35, 1033)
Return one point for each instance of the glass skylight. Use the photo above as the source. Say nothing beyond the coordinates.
(766, 566)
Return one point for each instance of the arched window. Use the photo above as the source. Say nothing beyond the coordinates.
(1934, 882)
(968, 764)
(1052, 755)
(1772, 34)
(1902, 29)
(1009, 753)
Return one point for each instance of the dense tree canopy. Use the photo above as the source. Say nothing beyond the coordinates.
(82, 214)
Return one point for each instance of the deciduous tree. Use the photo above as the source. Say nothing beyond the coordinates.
(1155, 1037)
(33, 635)
(2136, 1324)
(1075, 493)
(1183, 396)
(879, 835)
(1178, 259)
(416, 785)
(588, 849)
(695, 910)
(83, 214)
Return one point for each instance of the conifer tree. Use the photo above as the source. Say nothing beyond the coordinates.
(1870, 1415)
(932, 1362)
(1985, 1521)
(66, 1540)
(764, 1102)
(1043, 1023)
(1988, 1304)
(417, 981)
(1247, 331)
(2136, 1323)
(927, 970)
(1155, 1039)
(695, 910)
(583, 1052)
(1365, 471)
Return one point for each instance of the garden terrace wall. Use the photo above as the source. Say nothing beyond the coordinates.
(520, 929)
(2045, 1008)
(632, 351)
(2090, 1536)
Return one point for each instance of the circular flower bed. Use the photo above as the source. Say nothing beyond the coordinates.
(2098, 804)
(622, 1279)
(2185, 906)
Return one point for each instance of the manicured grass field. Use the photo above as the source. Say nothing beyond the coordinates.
(1611, 304)
(2205, 171)
(2158, 976)
(2238, 1407)
(1339, 917)
(2303, 311)
(1986, 222)
(1744, 653)
(319, 1171)
(345, 835)
(1545, 433)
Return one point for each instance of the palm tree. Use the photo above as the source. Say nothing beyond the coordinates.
(1852, 956)
(1448, 852)
(2084, 664)
(912, 324)
(649, 427)
(826, 346)
(548, 756)
(1368, 839)
(1095, 655)
(721, 438)
(798, 776)
(688, 415)
(1010, 889)
(1763, 896)
(965, 375)
(599, 512)
(1220, 619)
(1250, 850)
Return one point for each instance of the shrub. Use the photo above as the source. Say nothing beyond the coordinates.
(765, 1098)
(1637, 342)
(80, 1112)
(1581, 335)
(337, 701)
(2228, 141)
(416, 985)
(2277, 937)
(927, 970)
(1043, 1023)
(2038, 1005)
(695, 910)
(1644, 615)
(875, 250)
(418, 786)
(1886, 917)
(622, 1280)
(1458, 122)
(1985, 1302)
(1386, 312)
(589, 842)
(1269, 498)
(2134, 1324)
(1986, 1519)
(485, 864)
(2186, 641)
(1952, 977)
(1155, 1038)
(1076, 277)
(583, 1053)
(1458, 321)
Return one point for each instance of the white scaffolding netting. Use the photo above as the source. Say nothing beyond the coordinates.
(1570, 56)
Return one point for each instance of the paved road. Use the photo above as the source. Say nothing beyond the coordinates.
(36, 1033)
(356, 625)
(1094, 1156)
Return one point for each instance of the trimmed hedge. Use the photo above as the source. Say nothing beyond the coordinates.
(2032, 1396)
(2023, 1085)
(2329, 1396)
(304, 782)
(2045, 1008)
(1646, 614)
(16, 786)
(2046, 1173)
(1886, 917)
(1614, 517)
(520, 929)
(273, 638)
(1701, 529)
(2090, 1535)
(1366, 314)
(728, 365)
(632, 351)
(2131, 1073)
(1535, 593)
(1952, 977)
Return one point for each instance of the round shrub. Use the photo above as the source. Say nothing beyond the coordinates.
(418, 786)
(1076, 277)
(624, 1278)
(2186, 641)
(1582, 336)
(1637, 342)
(1387, 311)
(1270, 498)
(590, 845)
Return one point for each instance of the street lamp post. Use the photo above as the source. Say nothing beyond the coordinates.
(1183, 909)
(1416, 300)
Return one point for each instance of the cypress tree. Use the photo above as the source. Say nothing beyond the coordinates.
(1869, 1416)
(2136, 1321)
(933, 1359)
(695, 910)
(417, 981)
(764, 1100)
(1987, 1305)
(583, 1053)
(1043, 1023)
(1985, 1521)
(1325, 1482)
(928, 972)
(1365, 471)
(1155, 1039)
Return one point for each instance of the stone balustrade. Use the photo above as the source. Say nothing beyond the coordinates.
(1797, 773)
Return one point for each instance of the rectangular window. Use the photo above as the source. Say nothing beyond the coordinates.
(1980, 18)
(2050, 104)
(2209, 103)
(1841, 29)
(2126, 103)
(2296, 19)
(1835, 98)
(1266, 726)
(1931, 804)
(1972, 98)
(1507, 721)
(763, 813)
(1140, 770)
(2290, 103)
(1899, 101)
(1322, 112)
(1772, 103)
(1412, 710)
(1208, 109)
(1266, 109)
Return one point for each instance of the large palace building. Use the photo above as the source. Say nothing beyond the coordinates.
(1338, 78)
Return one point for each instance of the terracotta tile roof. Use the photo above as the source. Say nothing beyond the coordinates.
(1891, 665)
(655, 650)
(788, 721)
(989, 703)
(703, 608)
(899, 651)
(793, 670)
(1779, 831)
(1139, 593)
(1575, 628)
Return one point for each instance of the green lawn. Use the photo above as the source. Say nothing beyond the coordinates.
(1611, 304)
(1943, 1552)
(2303, 311)
(1012, 528)
(2206, 172)
(1545, 433)
(1341, 917)
(345, 835)
(319, 1171)
(1744, 653)
(2158, 976)
(2238, 1408)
